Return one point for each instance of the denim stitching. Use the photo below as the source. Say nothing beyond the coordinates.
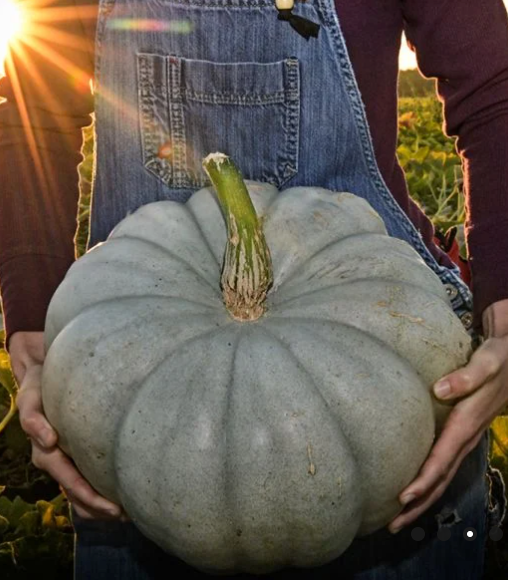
(214, 4)
(177, 172)
(234, 98)
(177, 122)
(292, 90)
(105, 9)
(152, 131)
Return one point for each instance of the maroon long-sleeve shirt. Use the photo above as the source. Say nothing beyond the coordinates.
(462, 43)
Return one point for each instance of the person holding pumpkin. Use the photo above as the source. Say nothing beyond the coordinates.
(161, 87)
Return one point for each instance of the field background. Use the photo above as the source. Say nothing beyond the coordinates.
(35, 532)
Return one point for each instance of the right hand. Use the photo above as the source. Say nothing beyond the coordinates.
(26, 350)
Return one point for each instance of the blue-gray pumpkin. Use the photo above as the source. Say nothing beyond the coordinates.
(272, 432)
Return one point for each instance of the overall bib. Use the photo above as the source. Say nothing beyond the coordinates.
(198, 76)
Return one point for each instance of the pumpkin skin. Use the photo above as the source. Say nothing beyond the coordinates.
(251, 446)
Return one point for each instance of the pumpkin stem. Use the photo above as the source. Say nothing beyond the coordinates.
(247, 268)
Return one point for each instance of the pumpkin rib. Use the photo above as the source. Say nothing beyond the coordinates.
(318, 218)
(352, 282)
(199, 226)
(229, 470)
(292, 318)
(405, 366)
(290, 360)
(419, 365)
(154, 296)
(135, 298)
(135, 388)
(154, 216)
(151, 392)
(347, 325)
(258, 335)
(347, 254)
(283, 522)
(298, 364)
(339, 242)
(301, 265)
(102, 258)
(173, 255)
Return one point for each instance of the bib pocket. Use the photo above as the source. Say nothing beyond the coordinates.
(189, 108)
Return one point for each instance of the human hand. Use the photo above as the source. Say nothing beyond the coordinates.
(26, 350)
(482, 387)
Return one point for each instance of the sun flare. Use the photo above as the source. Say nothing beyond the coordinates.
(11, 24)
(11, 20)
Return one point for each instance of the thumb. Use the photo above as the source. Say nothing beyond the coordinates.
(485, 363)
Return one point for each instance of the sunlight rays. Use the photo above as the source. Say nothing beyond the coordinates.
(23, 112)
(43, 41)
(11, 25)
(42, 34)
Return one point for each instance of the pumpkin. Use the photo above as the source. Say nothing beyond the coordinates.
(267, 424)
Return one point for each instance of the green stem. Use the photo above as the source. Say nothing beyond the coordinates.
(247, 268)
(10, 414)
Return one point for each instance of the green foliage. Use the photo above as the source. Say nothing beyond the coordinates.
(35, 538)
(85, 186)
(412, 84)
(430, 161)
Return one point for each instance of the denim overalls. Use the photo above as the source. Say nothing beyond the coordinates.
(198, 76)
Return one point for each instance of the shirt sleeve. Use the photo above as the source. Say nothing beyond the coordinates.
(47, 102)
(464, 45)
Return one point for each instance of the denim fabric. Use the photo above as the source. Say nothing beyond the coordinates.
(227, 75)
(231, 77)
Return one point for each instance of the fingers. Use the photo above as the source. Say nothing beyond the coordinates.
(483, 386)
(88, 513)
(29, 401)
(25, 350)
(430, 485)
(462, 432)
(48, 457)
(76, 488)
(485, 364)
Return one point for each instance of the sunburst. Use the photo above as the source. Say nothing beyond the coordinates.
(11, 26)
(32, 34)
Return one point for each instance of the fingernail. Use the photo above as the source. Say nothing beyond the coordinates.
(442, 389)
(112, 510)
(395, 530)
(405, 499)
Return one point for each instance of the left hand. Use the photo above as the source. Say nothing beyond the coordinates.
(482, 386)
